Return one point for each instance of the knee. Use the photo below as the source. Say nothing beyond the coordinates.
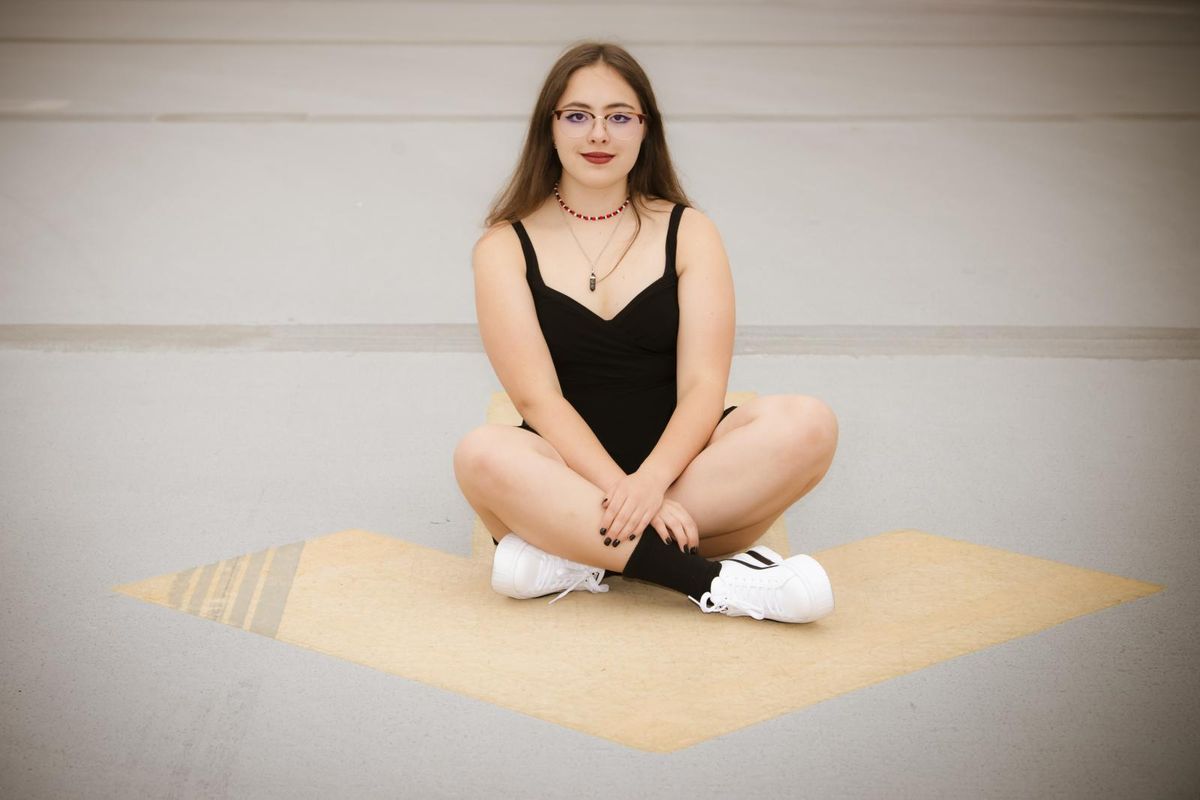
(811, 426)
(473, 453)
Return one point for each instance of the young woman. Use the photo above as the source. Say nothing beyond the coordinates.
(606, 307)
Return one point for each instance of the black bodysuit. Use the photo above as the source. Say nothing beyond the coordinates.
(619, 373)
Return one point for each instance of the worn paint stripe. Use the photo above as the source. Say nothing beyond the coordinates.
(246, 587)
(201, 590)
(275, 589)
(215, 605)
(179, 587)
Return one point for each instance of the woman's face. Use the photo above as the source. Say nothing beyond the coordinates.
(601, 90)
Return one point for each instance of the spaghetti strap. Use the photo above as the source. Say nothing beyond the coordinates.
(672, 239)
(532, 274)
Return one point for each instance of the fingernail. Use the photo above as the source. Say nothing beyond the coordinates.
(632, 536)
(695, 549)
(607, 540)
(602, 530)
(617, 543)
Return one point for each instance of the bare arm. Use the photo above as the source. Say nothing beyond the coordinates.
(560, 424)
(705, 347)
(519, 355)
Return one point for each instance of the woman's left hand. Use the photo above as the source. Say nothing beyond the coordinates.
(632, 503)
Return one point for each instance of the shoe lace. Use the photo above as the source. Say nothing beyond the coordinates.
(709, 604)
(590, 578)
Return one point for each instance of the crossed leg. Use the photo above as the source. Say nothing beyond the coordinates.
(762, 458)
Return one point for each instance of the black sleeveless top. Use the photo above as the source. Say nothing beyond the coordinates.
(619, 374)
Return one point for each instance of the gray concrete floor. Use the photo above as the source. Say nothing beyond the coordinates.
(969, 227)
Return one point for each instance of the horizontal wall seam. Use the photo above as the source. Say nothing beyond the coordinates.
(302, 117)
(692, 43)
(1115, 342)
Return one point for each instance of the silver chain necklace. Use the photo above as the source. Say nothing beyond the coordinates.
(592, 262)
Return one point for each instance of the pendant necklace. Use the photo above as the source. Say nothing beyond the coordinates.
(591, 262)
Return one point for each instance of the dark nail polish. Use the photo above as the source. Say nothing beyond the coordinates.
(695, 550)
(616, 543)
(602, 530)
(607, 540)
(632, 536)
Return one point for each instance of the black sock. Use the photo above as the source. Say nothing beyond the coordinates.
(656, 561)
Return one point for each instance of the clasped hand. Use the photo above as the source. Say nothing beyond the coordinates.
(637, 500)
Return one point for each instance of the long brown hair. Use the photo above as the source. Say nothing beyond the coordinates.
(652, 176)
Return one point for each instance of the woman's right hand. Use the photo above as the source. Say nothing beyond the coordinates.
(674, 522)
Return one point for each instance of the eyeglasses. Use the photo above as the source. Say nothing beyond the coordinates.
(575, 122)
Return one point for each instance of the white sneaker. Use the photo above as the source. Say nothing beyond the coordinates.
(761, 584)
(523, 571)
(763, 554)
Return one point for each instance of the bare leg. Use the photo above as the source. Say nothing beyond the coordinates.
(495, 526)
(536, 495)
(762, 458)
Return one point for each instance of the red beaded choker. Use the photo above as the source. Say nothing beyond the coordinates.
(572, 211)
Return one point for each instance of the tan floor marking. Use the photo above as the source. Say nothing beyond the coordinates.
(638, 665)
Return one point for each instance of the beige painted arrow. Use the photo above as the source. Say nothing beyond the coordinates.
(638, 665)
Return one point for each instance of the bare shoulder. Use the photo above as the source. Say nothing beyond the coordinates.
(696, 223)
(497, 245)
(698, 237)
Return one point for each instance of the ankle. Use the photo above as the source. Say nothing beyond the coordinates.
(659, 562)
